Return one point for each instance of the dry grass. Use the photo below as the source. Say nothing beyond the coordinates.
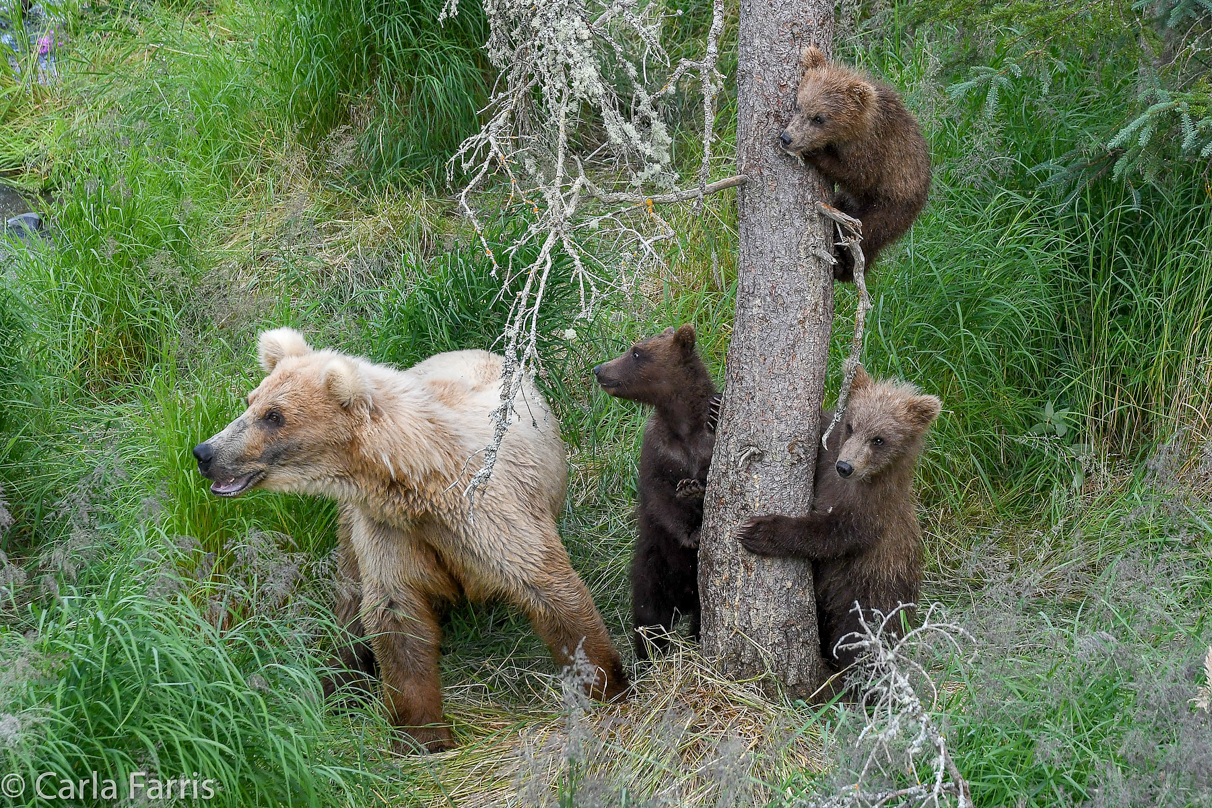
(686, 737)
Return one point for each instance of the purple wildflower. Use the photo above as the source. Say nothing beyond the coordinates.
(46, 43)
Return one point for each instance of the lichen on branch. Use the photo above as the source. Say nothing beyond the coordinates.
(575, 142)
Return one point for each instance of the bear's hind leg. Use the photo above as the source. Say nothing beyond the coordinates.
(884, 221)
(563, 614)
(653, 612)
(696, 621)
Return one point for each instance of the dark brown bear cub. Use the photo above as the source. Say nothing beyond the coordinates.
(862, 533)
(666, 372)
(859, 135)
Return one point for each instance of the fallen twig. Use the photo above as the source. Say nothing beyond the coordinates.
(894, 710)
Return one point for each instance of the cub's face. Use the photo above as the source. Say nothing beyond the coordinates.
(833, 104)
(290, 436)
(883, 427)
(649, 371)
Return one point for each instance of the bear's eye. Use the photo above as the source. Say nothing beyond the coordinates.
(849, 429)
(877, 441)
(274, 417)
(818, 119)
(636, 354)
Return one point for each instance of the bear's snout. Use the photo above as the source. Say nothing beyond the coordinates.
(785, 138)
(844, 468)
(604, 379)
(204, 454)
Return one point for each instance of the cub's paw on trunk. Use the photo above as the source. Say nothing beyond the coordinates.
(763, 535)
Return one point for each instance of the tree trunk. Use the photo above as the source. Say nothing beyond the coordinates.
(759, 615)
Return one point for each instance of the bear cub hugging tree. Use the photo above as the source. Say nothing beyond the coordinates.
(393, 448)
(859, 135)
(862, 533)
(667, 373)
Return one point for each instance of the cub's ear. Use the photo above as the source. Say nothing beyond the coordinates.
(685, 338)
(346, 382)
(923, 410)
(276, 345)
(861, 379)
(863, 94)
(813, 58)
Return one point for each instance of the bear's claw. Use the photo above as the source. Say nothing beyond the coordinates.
(691, 489)
(421, 740)
(758, 535)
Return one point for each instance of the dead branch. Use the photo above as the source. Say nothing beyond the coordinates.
(712, 80)
(561, 63)
(895, 710)
(850, 230)
(678, 196)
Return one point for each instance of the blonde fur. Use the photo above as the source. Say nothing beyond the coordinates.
(396, 449)
(276, 345)
(347, 385)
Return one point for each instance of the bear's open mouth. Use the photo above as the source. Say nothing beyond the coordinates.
(235, 487)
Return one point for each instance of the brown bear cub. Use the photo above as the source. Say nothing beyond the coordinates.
(667, 373)
(859, 135)
(862, 533)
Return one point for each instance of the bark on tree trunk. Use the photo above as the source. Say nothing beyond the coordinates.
(759, 615)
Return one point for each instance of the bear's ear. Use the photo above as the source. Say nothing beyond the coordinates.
(346, 382)
(276, 345)
(813, 58)
(861, 379)
(685, 338)
(863, 94)
(923, 410)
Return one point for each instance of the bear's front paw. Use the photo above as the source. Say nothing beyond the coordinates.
(759, 535)
(691, 541)
(691, 489)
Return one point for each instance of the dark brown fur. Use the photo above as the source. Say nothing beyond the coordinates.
(862, 534)
(667, 373)
(859, 135)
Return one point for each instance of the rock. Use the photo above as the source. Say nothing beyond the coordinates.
(24, 226)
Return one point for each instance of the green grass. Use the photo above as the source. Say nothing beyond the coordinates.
(216, 168)
(124, 689)
(406, 88)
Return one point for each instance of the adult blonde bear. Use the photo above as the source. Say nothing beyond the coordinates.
(396, 449)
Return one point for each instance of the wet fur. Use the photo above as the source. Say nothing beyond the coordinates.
(862, 533)
(396, 450)
(869, 145)
(669, 376)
